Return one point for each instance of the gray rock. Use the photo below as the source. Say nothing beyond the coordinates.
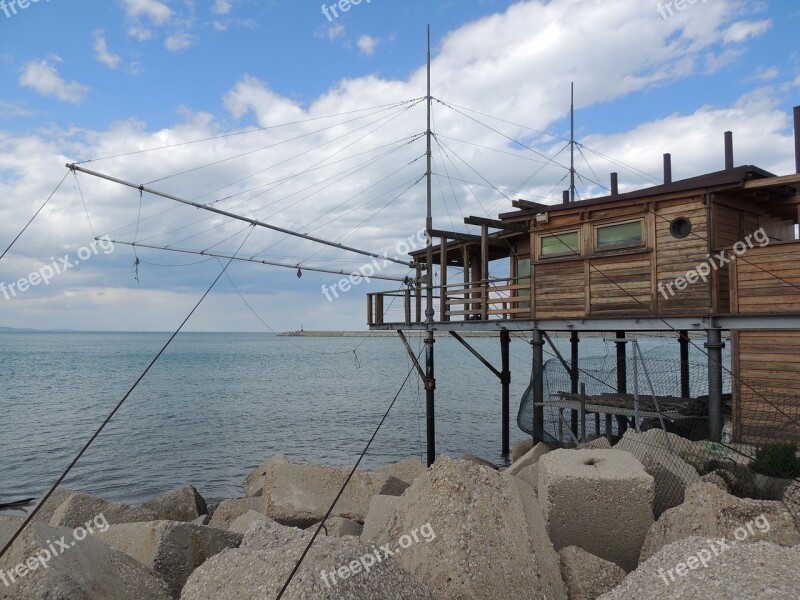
(254, 482)
(338, 526)
(230, 510)
(600, 443)
(716, 479)
(57, 498)
(759, 570)
(587, 576)
(379, 517)
(477, 460)
(521, 448)
(478, 542)
(202, 520)
(170, 549)
(672, 474)
(261, 565)
(243, 523)
(300, 495)
(710, 512)
(530, 458)
(407, 470)
(87, 570)
(183, 504)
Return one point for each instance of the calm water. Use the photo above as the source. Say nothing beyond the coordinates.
(216, 405)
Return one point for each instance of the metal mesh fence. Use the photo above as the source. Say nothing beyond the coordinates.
(757, 456)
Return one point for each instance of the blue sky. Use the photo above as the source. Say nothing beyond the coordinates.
(97, 79)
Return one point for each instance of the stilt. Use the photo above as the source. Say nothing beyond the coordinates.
(574, 341)
(683, 340)
(622, 378)
(430, 380)
(537, 344)
(714, 346)
(505, 381)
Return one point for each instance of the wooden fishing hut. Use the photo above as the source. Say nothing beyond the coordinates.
(713, 254)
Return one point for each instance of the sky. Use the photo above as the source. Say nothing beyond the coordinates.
(311, 117)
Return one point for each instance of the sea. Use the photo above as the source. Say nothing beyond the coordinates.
(216, 405)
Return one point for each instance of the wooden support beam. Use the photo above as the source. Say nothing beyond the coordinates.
(484, 273)
(526, 205)
(465, 237)
(772, 181)
(495, 224)
(443, 316)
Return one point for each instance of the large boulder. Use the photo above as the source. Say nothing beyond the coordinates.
(230, 510)
(183, 504)
(379, 517)
(405, 470)
(672, 474)
(530, 458)
(587, 576)
(470, 537)
(696, 568)
(335, 567)
(521, 448)
(339, 526)
(253, 484)
(599, 443)
(300, 495)
(81, 568)
(243, 523)
(713, 513)
(170, 549)
(56, 499)
(598, 500)
(791, 499)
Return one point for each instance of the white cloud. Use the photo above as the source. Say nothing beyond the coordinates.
(222, 7)
(367, 44)
(335, 31)
(102, 53)
(140, 33)
(179, 42)
(743, 30)
(158, 12)
(767, 74)
(42, 77)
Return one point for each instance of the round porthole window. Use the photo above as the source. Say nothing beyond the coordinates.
(680, 227)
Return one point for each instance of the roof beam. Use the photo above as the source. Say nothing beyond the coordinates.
(772, 181)
(495, 224)
(525, 204)
(463, 237)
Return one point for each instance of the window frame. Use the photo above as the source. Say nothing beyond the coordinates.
(641, 243)
(567, 251)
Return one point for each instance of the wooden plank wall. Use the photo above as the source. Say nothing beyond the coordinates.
(560, 290)
(765, 392)
(675, 257)
(621, 286)
(766, 399)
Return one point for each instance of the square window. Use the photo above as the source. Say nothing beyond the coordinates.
(560, 244)
(620, 236)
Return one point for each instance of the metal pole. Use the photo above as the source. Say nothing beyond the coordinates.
(635, 387)
(505, 380)
(622, 379)
(683, 340)
(430, 381)
(714, 346)
(574, 341)
(538, 385)
(572, 143)
(231, 215)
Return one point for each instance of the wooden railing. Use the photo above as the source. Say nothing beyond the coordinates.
(478, 301)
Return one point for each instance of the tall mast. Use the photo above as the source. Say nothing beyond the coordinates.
(572, 143)
(430, 382)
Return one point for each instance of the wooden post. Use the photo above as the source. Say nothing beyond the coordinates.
(683, 340)
(407, 305)
(419, 296)
(505, 380)
(467, 280)
(538, 385)
(379, 309)
(370, 318)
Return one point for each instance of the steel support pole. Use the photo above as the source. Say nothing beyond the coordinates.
(622, 378)
(683, 340)
(575, 377)
(505, 380)
(714, 346)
